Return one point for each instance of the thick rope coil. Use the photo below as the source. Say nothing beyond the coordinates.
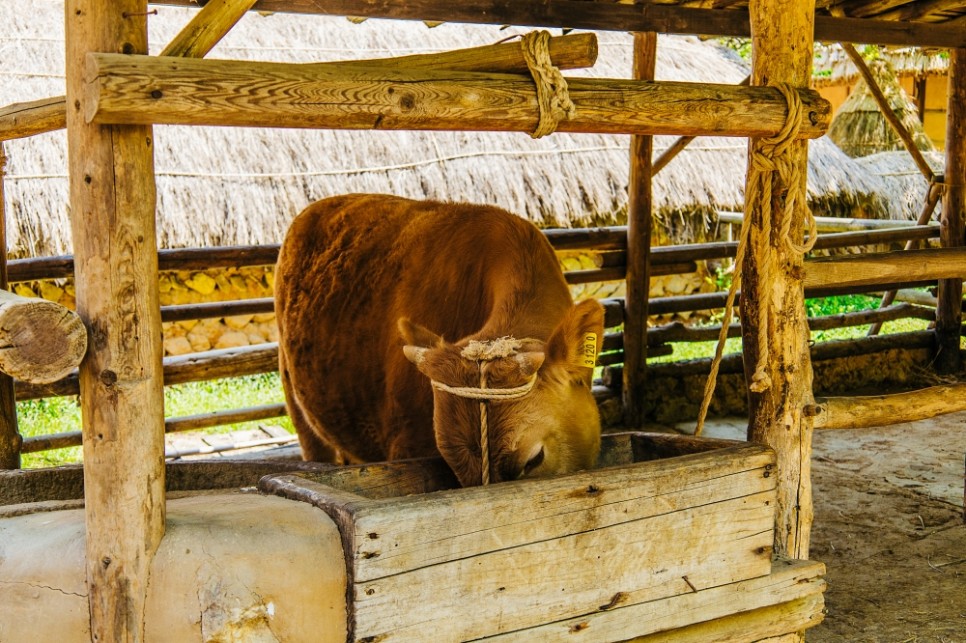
(482, 352)
(553, 99)
(769, 165)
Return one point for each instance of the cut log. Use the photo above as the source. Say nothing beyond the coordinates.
(40, 341)
(133, 89)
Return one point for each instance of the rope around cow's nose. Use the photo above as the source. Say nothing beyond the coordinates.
(483, 352)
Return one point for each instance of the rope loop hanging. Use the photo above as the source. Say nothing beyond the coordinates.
(482, 352)
(553, 99)
(770, 168)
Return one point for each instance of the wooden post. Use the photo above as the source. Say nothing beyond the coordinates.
(950, 295)
(638, 276)
(112, 208)
(10, 439)
(771, 284)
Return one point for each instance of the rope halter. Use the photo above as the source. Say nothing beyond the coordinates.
(482, 352)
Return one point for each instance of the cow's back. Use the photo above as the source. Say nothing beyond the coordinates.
(351, 266)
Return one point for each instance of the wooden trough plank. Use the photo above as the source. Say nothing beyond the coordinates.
(517, 596)
(447, 548)
(727, 611)
(147, 89)
(516, 507)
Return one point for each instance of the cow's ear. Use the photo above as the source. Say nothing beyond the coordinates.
(418, 340)
(578, 337)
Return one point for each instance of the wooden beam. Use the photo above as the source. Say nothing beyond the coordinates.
(145, 89)
(882, 267)
(19, 120)
(10, 438)
(112, 208)
(607, 16)
(201, 34)
(207, 28)
(772, 298)
(949, 312)
(884, 410)
(638, 271)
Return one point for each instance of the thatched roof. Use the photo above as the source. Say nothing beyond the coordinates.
(832, 66)
(226, 186)
(860, 128)
(904, 186)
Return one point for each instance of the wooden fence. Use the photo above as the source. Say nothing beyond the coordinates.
(609, 246)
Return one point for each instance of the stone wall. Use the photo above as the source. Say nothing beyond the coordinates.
(178, 287)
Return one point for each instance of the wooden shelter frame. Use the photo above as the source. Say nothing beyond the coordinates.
(115, 260)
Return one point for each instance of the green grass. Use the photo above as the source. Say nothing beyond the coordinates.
(62, 414)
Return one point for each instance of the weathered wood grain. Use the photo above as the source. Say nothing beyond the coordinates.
(772, 298)
(790, 596)
(146, 89)
(112, 210)
(491, 547)
(40, 341)
(859, 412)
(851, 271)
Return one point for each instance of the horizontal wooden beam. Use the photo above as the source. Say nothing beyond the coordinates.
(884, 267)
(612, 16)
(884, 410)
(129, 89)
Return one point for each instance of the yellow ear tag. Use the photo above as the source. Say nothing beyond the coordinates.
(588, 351)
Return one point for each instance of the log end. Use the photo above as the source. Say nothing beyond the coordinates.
(40, 341)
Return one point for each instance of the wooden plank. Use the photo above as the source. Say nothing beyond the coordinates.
(112, 209)
(146, 89)
(511, 589)
(768, 624)
(601, 497)
(949, 312)
(773, 317)
(860, 412)
(605, 16)
(723, 613)
(485, 547)
(637, 282)
(850, 271)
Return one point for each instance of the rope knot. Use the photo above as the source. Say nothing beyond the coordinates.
(553, 98)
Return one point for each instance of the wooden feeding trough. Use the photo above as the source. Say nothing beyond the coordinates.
(669, 535)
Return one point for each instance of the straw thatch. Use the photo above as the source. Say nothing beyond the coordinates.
(859, 127)
(832, 66)
(904, 186)
(233, 186)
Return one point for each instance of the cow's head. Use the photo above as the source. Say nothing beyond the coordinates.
(549, 422)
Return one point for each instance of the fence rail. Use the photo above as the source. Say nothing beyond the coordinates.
(609, 244)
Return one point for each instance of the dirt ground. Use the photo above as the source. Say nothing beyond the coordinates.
(889, 527)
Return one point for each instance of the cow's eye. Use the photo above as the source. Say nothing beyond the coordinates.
(533, 462)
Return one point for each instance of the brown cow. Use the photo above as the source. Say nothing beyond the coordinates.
(370, 288)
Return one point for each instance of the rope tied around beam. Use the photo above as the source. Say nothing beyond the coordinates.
(553, 99)
(770, 167)
(482, 352)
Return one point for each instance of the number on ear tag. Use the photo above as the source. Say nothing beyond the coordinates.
(588, 351)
